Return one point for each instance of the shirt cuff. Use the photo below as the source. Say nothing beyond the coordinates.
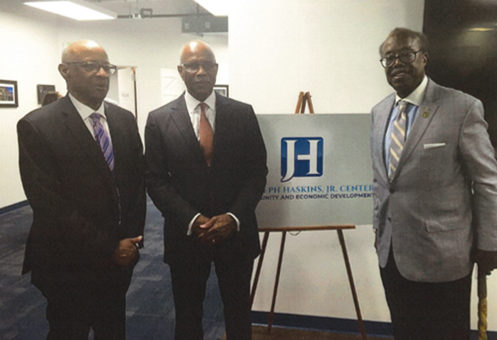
(236, 220)
(190, 226)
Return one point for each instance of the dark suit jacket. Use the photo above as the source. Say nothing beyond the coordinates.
(181, 184)
(81, 209)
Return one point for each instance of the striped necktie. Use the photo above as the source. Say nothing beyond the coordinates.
(103, 139)
(398, 139)
(205, 134)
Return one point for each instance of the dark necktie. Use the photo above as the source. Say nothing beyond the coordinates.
(398, 139)
(205, 134)
(103, 139)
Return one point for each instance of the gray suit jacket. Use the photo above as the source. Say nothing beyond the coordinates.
(443, 198)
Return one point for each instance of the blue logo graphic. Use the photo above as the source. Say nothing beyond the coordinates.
(301, 157)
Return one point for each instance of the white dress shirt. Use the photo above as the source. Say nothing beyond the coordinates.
(415, 99)
(85, 112)
(192, 105)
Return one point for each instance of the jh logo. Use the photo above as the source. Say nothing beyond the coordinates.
(301, 157)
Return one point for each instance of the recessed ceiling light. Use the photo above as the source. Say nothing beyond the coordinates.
(75, 9)
(216, 7)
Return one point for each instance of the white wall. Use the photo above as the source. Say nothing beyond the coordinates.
(31, 52)
(28, 57)
(330, 48)
(276, 49)
(148, 44)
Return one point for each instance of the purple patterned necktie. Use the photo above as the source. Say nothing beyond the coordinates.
(103, 139)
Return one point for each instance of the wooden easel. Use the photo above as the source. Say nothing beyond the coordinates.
(303, 98)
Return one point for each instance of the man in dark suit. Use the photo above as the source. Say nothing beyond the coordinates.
(82, 168)
(435, 195)
(206, 172)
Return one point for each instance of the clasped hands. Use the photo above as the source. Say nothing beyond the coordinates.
(127, 255)
(213, 230)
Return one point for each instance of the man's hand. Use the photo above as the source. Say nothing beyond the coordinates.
(486, 260)
(217, 229)
(199, 221)
(127, 254)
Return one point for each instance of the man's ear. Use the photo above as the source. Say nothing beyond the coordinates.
(180, 71)
(425, 56)
(64, 70)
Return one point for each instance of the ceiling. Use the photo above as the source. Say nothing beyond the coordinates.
(159, 8)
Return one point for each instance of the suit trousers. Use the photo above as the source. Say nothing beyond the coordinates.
(424, 310)
(72, 311)
(189, 281)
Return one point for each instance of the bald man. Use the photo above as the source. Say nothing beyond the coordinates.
(82, 168)
(206, 172)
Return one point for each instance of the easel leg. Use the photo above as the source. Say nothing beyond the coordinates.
(277, 281)
(259, 267)
(351, 282)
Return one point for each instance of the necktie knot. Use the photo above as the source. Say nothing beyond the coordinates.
(402, 109)
(95, 117)
(203, 107)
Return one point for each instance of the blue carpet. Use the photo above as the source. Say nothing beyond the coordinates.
(150, 308)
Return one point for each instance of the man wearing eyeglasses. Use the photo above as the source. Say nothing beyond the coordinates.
(435, 195)
(206, 172)
(82, 168)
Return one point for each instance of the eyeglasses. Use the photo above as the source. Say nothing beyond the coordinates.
(195, 66)
(90, 66)
(404, 57)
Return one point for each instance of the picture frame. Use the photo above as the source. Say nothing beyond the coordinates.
(8, 93)
(42, 90)
(222, 90)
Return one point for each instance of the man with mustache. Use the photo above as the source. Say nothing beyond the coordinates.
(206, 172)
(435, 195)
(82, 168)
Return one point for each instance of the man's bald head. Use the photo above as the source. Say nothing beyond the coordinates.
(86, 84)
(198, 69)
(196, 47)
(75, 50)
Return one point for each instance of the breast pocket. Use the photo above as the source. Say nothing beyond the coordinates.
(441, 226)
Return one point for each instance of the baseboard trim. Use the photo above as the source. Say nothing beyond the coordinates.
(12, 207)
(339, 325)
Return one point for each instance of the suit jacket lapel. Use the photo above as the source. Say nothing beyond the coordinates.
(223, 127)
(181, 119)
(380, 130)
(84, 140)
(117, 134)
(424, 116)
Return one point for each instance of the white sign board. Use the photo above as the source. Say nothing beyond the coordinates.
(320, 170)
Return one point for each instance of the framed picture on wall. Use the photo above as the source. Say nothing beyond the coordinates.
(222, 89)
(8, 93)
(43, 90)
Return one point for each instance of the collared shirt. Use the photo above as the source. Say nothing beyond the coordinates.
(85, 112)
(192, 105)
(414, 100)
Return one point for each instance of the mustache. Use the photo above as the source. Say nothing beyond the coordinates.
(399, 70)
